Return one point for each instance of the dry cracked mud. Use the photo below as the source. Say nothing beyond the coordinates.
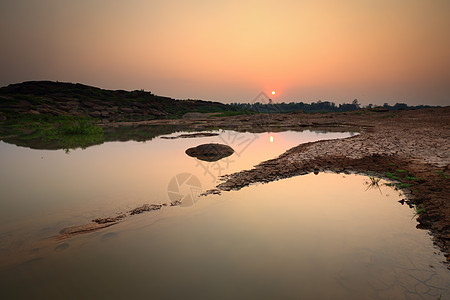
(412, 147)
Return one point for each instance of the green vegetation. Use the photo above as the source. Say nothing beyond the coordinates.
(397, 185)
(63, 98)
(60, 132)
(71, 133)
(322, 106)
(403, 185)
(401, 176)
(412, 178)
(405, 180)
(396, 175)
(374, 180)
(76, 126)
(442, 173)
(374, 183)
(66, 132)
(417, 210)
(391, 176)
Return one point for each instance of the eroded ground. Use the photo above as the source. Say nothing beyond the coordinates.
(409, 147)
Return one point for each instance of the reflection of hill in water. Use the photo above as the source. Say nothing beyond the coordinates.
(140, 133)
(110, 134)
(45, 144)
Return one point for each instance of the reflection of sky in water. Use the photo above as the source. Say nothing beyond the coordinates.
(306, 237)
(104, 179)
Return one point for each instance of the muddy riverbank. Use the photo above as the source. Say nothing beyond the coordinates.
(410, 148)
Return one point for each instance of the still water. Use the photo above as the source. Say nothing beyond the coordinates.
(307, 237)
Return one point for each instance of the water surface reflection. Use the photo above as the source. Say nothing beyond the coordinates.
(44, 191)
(312, 237)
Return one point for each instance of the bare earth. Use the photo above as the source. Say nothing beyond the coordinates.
(417, 142)
(412, 145)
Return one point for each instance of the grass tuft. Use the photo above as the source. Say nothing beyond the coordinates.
(418, 210)
(374, 183)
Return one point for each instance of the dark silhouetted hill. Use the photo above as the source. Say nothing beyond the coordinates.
(61, 98)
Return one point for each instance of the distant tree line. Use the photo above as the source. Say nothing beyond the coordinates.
(319, 106)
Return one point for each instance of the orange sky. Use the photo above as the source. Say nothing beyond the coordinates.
(376, 51)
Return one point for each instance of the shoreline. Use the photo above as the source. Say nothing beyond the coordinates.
(412, 148)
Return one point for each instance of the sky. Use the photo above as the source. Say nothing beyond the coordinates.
(376, 51)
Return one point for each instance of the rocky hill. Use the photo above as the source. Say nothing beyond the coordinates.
(60, 98)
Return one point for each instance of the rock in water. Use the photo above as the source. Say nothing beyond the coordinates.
(210, 152)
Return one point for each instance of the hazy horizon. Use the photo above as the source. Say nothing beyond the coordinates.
(377, 52)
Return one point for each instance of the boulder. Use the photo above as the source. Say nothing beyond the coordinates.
(210, 152)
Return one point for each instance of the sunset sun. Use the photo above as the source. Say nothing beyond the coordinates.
(247, 149)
